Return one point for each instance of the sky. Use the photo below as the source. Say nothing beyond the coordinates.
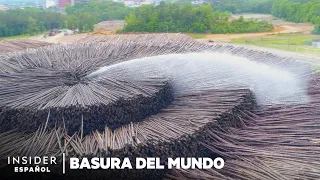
(15, 1)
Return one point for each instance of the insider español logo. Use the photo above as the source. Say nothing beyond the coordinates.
(36, 164)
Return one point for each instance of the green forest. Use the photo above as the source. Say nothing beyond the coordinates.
(28, 21)
(34, 21)
(183, 17)
(104, 10)
(166, 17)
(83, 16)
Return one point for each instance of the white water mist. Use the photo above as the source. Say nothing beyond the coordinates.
(193, 72)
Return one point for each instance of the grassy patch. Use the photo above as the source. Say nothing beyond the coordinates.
(196, 35)
(16, 37)
(285, 40)
(22, 36)
(293, 42)
(240, 41)
(317, 68)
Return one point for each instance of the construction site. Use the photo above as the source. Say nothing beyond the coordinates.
(159, 95)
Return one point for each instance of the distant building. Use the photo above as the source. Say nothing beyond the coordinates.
(198, 2)
(82, 0)
(135, 3)
(50, 3)
(146, 2)
(3, 7)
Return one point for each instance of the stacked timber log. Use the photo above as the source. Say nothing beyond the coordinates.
(174, 132)
(52, 82)
(109, 115)
(48, 79)
(279, 142)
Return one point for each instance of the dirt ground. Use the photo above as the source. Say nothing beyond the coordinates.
(102, 28)
(110, 25)
(71, 38)
(281, 26)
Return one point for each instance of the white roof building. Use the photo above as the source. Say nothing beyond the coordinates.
(50, 3)
(3, 7)
(135, 3)
(316, 43)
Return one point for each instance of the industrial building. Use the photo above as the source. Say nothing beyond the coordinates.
(63, 3)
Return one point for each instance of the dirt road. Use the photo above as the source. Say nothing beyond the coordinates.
(48, 39)
(60, 38)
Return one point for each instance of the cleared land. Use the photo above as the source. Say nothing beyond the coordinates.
(101, 29)
(280, 27)
(287, 39)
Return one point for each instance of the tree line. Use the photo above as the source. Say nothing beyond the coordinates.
(240, 6)
(34, 21)
(27, 21)
(102, 10)
(183, 17)
(82, 16)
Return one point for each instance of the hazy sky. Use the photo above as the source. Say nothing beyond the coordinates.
(14, 1)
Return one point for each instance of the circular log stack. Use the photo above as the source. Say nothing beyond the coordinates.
(50, 83)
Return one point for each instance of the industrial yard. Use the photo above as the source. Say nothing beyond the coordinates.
(86, 81)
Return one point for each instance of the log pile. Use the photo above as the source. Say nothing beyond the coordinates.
(51, 82)
(146, 45)
(185, 116)
(109, 115)
(174, 132)
(280, 142)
